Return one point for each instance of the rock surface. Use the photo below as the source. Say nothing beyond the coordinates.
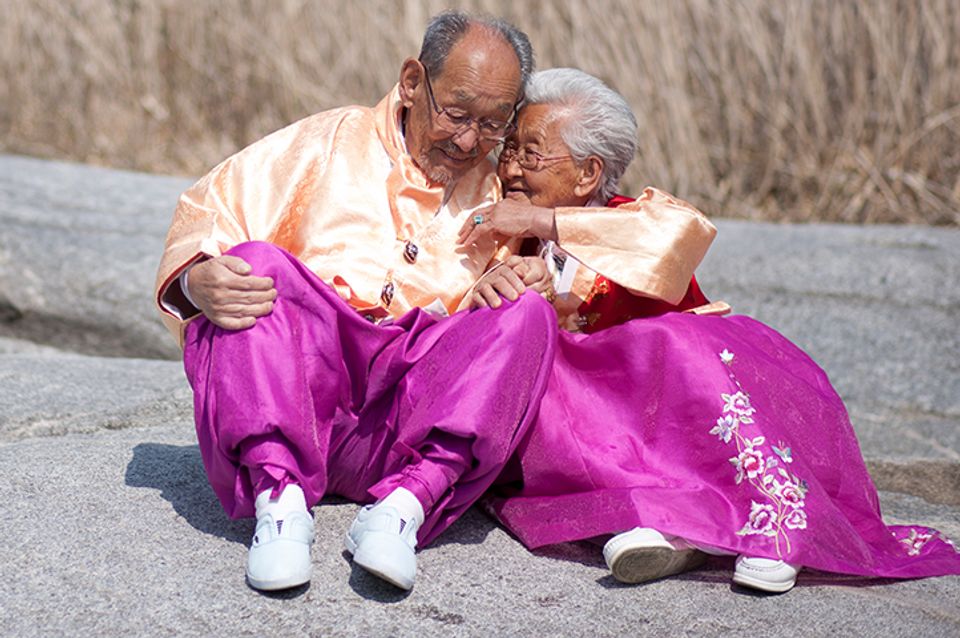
(111, 528)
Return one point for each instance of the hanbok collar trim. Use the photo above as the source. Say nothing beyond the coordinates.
(409, 191)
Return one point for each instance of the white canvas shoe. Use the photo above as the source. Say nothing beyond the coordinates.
(644, 554)
(280, 553)
(384, 544)
(765, 574)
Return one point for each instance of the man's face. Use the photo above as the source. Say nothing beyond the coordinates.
(480, 81)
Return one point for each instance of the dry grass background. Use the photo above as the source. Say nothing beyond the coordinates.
(777, 109)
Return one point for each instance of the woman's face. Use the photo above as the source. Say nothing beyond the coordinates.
(554, 180)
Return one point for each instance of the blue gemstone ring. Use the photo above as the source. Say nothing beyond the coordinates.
(477, 220)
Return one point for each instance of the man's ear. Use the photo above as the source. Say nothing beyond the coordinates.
(411, 79)
(588, 179)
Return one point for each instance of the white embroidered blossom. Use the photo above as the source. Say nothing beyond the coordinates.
(739, 404)
(726, 356)
(916, 541)
(761, 520)
(725, 427)
(789, 493)
(797, 519)
(750, 464)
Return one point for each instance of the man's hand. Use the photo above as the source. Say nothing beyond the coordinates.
(508, 218)
(509, 280)
(533, 271)
(228, 295)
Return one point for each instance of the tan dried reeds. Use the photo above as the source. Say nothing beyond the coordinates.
(800, 110)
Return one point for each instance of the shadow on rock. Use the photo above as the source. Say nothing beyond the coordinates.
(177, 471)
(371, 587)
(470, 529)
(586, 552)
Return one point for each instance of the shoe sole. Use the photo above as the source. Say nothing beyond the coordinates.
(280, 583)
(634, 565)
(376, 566)
(763, 585)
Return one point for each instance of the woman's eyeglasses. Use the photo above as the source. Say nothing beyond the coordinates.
(528, 159)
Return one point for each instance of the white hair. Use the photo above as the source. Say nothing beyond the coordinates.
(600, 121)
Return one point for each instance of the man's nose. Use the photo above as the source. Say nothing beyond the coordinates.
(467, 138)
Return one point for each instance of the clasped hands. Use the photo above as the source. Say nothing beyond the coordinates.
(502, 221)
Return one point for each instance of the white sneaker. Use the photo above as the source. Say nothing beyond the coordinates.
(644, 554)
(765, 574)
(280, 553)
(384, 544)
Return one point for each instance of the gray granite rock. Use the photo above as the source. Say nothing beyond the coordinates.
(78, 255)
(51, 394)
(111, 528)
(116, 533)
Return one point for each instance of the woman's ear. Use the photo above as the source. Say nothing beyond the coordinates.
(588, 179)
(411, 78)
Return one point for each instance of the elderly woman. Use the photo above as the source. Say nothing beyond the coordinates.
(670, 430)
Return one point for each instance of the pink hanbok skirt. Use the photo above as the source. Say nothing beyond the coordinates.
(715, 429)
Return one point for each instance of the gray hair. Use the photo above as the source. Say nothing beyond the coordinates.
(600, 123)
(446, 29)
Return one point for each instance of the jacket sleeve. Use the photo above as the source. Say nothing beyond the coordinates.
(651, 246)
(247, 197)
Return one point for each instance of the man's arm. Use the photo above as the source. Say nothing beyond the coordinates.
(650, 246)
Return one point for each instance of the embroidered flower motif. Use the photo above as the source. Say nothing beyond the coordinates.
(750, 464)
(796, 519)
(763, 467)
(790, 494)
(739, 404)
(761, 520)
(916, 541)
(725, 427)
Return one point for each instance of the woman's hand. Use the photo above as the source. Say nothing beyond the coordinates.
(510, 279)
(506, 219)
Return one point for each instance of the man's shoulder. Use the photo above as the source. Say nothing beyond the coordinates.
(314, 134)
(339, 119)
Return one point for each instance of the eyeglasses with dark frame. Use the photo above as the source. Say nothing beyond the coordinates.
(528, 159)
(455, 122)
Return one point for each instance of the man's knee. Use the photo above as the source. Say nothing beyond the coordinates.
(264, 258)
(531, 313)
(531, 304)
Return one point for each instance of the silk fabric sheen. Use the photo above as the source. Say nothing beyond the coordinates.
(714, 429)
(322, 187)
(338, 191)
(316, 394)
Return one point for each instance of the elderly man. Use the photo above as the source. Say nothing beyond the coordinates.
(309, 277)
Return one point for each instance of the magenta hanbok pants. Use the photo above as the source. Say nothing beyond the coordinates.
(317, 395)
(715, 429)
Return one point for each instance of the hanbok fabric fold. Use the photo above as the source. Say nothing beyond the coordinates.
(715, 429)
(317, 395)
